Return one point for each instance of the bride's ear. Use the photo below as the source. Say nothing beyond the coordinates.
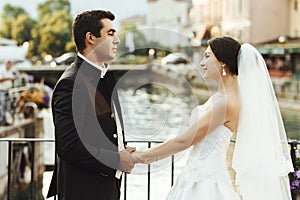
(222, 64)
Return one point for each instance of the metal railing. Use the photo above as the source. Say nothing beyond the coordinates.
(32, 141)
(148, 168)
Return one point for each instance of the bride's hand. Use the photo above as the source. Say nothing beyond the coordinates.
(138, 157)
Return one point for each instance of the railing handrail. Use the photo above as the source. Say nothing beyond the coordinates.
(131, 140)
(27, 140)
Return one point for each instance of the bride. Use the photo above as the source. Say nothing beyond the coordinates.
(244, 104)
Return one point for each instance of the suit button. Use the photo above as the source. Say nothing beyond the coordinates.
(112, 115)
(115, 135)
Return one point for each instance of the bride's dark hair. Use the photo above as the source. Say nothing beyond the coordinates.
(226, 50)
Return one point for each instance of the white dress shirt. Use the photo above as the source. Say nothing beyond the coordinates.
(120, 138)
(103, 69)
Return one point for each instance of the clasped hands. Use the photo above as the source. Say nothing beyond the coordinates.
(129, 157)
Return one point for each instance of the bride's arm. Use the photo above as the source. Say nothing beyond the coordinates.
(213, 117)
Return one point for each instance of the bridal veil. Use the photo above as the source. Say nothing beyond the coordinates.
(261, 158)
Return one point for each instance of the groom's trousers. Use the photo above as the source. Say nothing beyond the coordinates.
(116, 189)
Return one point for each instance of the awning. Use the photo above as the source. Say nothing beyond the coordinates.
(290, 47)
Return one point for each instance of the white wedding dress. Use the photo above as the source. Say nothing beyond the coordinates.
(261, 157)
(206, 176)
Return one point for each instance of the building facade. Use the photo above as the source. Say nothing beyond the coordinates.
(252, 21)
(294, 23)
(166, 21)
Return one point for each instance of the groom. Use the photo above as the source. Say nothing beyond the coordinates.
(87, 117)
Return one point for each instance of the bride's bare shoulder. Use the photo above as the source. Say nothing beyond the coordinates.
(231, 102)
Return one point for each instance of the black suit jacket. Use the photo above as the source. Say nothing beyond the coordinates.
(85, 133)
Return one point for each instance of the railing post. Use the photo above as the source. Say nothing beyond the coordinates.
(293, 157)
(172, 171)
(293, 152)
(55, 163)
(32, 195)
(125, 180)
(9, 169)
(125, 185)
(149, 172)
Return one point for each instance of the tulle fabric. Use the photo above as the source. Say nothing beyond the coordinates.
(268, 187)
(261, 158)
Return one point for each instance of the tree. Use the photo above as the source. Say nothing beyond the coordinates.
(8, 17)
(21, 31)
(34, 43)
(55, 33)
(55, 27)
(12, 11)
(70, 46)
(51, 34)
(49, 7)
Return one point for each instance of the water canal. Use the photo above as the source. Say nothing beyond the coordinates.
(159, 113)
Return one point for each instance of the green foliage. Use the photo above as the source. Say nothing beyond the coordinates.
(55, 33)
(54, 27)
(50, 34)
(21, 32)
(5, 30)
(49, 7)
(12, 11)
(8, 18)
(34, 43)
(70, 46)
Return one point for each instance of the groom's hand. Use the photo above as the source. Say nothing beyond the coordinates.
(126, 161)
(130, 149)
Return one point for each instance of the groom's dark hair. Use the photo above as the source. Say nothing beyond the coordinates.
(88, 21)
(226, 50)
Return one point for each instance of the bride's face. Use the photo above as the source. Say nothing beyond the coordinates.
(210, 65)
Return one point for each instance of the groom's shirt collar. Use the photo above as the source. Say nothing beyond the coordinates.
(103, 69)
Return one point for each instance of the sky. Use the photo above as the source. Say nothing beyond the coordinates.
(121, 8)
